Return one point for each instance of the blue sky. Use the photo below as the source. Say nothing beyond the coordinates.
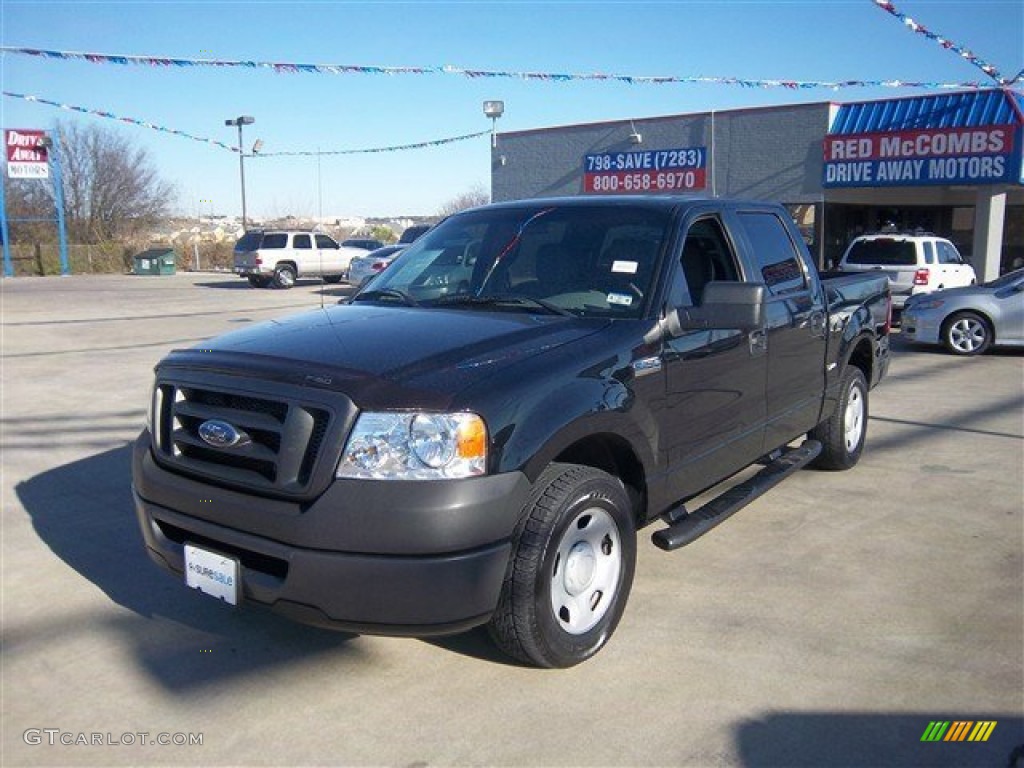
(795, 40)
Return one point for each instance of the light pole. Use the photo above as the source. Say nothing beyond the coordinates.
(494, 110)
(240, 121)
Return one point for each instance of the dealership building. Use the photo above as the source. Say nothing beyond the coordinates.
(949, 163)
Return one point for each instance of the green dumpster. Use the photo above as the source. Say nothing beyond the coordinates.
(155, 261)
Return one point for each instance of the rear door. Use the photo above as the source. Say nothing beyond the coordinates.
(327, 250)
(953, 270)
(795, 324)
(714, 413)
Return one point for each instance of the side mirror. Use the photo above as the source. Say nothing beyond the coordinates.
(725, 305)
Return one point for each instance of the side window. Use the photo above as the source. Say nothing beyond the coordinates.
(929, 252)
(305, 242)
(774, 252)
(706, 256)
(275, 240)
(947, 253)
(323, 241)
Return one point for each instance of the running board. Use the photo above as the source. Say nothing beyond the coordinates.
(688, 528)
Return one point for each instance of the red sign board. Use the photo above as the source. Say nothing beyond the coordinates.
(26, 159)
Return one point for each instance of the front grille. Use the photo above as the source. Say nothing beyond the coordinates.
(278, 441)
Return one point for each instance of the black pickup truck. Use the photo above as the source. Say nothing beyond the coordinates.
(477, 435)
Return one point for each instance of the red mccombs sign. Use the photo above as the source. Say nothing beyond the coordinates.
(910, 158)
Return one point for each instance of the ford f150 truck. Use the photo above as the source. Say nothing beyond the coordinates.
(477, 436)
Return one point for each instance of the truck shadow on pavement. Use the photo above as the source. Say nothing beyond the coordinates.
(83, 512)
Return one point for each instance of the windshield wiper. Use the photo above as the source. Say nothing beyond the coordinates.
(387, 293)
(505, 299)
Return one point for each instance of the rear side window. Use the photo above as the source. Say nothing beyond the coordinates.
(885, 251)
(305, 242)
(250, 241)
(275, 240)
(776, 256)
(929, 252)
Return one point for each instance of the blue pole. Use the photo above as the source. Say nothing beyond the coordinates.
(58, 197)
(4, 232)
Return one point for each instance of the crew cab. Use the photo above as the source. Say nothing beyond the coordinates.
(544, 378)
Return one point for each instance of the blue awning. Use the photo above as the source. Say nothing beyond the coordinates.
(968, 109)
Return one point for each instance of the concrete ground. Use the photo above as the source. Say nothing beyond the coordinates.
(827, 624)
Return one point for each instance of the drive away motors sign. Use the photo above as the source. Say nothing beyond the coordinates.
(26, 159)
(983, 155)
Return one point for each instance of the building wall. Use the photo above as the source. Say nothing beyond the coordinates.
(770, 154)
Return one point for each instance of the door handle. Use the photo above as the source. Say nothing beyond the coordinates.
(758, 341)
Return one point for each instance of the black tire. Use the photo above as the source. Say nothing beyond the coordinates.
(967, 334)
(332, 279)
(571, 569)
(259, 281)
(843, 433)
(284, 276)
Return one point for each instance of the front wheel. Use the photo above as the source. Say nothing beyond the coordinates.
(967, 333)
(571, 569)
(842, 434)
(332, 279)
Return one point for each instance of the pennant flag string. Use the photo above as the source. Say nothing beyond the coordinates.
(949, 45)
(111, 116)
(222, 145)
(349, 69)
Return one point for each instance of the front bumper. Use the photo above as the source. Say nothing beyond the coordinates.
(922, 328)
(390, 558)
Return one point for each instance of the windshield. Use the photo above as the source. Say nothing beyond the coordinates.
(590, 261)
(1008, 279)
(887, 252)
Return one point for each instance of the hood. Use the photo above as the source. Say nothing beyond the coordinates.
(380, 356)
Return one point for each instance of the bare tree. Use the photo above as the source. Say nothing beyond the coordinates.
(474, 197)
(111, 188)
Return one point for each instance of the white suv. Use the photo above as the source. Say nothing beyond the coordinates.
(282, 256)
(914, 262)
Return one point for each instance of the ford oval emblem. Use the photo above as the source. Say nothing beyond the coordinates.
(220, 434)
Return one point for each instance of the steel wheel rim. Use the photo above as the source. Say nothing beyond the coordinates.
(966, 335)
(586, 570)
(853, 419)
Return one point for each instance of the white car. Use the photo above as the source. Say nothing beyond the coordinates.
(914, 263)
(362, 268)
(280, 257)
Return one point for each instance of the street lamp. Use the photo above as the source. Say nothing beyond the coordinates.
(494, 110)
(240, 121)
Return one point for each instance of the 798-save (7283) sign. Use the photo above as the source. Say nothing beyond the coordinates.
(650, 171)
(26, 158)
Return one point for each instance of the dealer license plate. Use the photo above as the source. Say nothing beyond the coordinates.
(212, 573)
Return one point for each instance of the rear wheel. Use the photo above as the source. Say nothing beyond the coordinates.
(571, 569)
(967, 333)
(843, 433)
(284, 276)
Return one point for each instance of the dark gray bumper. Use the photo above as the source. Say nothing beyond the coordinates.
(399, 558)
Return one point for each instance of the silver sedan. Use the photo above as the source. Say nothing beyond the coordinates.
(969, 320)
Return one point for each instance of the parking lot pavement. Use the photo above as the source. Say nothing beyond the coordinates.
(828, 624)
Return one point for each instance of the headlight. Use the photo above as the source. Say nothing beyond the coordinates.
(415, 446)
